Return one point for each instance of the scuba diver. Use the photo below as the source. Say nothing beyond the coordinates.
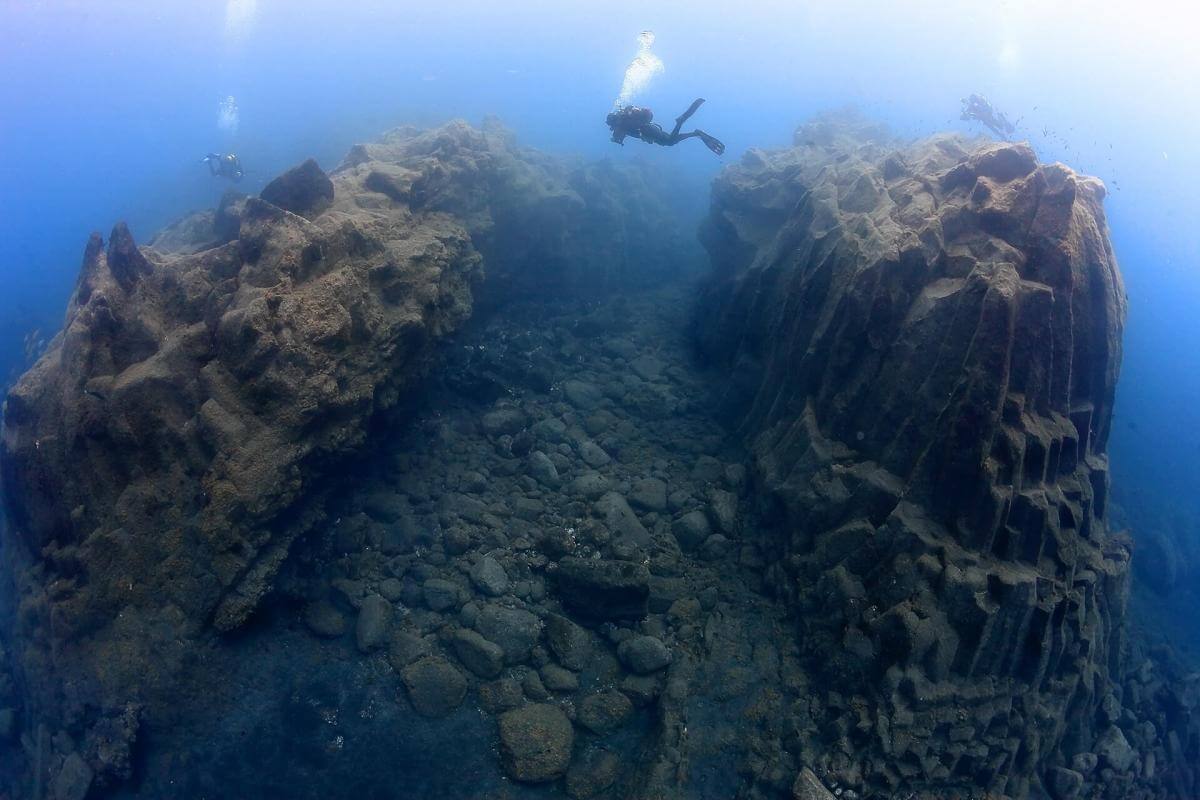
(636, 122)
(224, 166)
(976, 107)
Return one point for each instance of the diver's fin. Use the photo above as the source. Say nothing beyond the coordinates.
(682, 118)
(713, 143)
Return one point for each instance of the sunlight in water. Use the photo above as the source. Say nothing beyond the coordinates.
(239, 19)
(641, 70)
(1010, 55)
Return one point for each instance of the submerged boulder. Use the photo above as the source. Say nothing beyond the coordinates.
(536, 742)
(604, 590)
(305, 190)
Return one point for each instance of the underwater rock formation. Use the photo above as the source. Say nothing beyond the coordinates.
(293, 515)
(163, 456)
(924, 341)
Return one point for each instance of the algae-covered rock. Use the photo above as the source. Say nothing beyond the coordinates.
(536, 742)
(434, 686)
(175, 440)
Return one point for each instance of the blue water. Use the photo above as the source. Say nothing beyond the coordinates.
(106, 108)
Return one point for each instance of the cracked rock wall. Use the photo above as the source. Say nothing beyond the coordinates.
(923, 341)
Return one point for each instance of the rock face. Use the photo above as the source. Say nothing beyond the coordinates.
(165, 453)
(303, 190)
(550, 225)
(924, 341)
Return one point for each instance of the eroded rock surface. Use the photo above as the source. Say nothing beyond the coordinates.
(553, 573)
(164, 455)
(925, 340)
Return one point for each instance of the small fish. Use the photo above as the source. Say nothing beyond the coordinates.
(95, 394)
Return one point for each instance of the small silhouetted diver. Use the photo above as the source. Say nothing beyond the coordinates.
(976, 107)
(637, 122)
(224, 166)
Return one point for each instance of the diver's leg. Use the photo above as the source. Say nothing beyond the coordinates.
(699, 101)
(654, 134)
(676, 137)
(711, 142)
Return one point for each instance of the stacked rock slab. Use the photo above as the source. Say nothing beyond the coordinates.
(162, 457)
(924, 340)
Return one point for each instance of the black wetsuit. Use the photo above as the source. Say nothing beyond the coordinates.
(636, 122)
(225, 166)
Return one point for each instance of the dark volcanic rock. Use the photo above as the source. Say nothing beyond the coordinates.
(535, 743)
(515, 630)
(371, 627)
(74, 779)
(434, 686)
(484, 658)
(305, 190)
(1064, 783)
(809, 787)
(644, 654)
(604, 590)
(571, 644)
(324, 620)
(923, 342)
(592, 773)
(605, 711)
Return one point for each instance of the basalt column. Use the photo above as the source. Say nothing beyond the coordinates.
(924, 342)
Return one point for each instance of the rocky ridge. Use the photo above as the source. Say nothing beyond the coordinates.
(552, 572)
(162, 457)
(925, 341)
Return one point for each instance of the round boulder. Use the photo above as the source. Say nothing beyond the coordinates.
(536, 742)
(434, 686)
(605, 711)
(324, 620)
(643, 654)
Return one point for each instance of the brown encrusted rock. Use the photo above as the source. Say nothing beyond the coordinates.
(923, 341)
(305, 190)
(536, 742)
(169, 447)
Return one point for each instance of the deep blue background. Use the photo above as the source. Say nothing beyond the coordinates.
(105, 109)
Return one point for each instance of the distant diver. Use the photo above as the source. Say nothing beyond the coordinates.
(637, 122)
(224, 166)
(976, 107)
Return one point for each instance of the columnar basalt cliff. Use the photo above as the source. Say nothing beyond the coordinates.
(164, 455)
(925, 340)
(403, 475)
